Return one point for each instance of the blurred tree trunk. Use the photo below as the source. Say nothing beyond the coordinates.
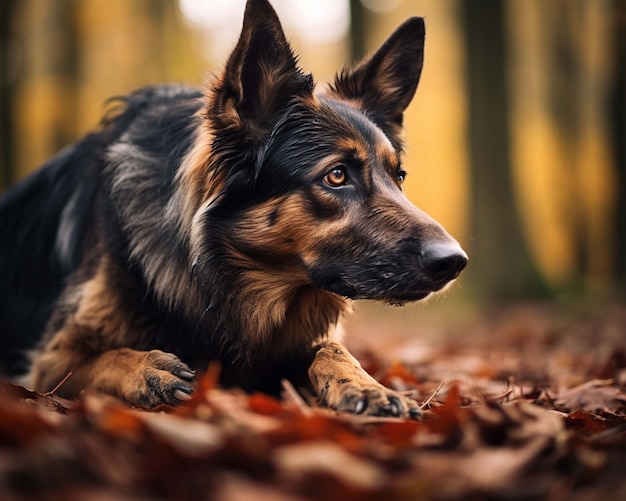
(500, 264)
(73, 56)
(7, 8)
(357, 30)
(618, 114)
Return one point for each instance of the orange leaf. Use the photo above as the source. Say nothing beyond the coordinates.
(453, 396)
(585, 423)
(450, 415)
(398, 370)
(120, 422)
(303, 428)
(264, 404)
(21, 424)
(399, 434)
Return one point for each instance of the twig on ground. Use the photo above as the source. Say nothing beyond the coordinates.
(426, 403)
(61, 383)
(290, 394)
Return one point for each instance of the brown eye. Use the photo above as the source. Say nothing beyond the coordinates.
(401, 176)
(336, 177)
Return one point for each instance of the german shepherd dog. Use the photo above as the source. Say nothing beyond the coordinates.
(233, 224)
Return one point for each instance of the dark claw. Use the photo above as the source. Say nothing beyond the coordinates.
(181, 392)
(395, 406)
(185, 373)
(183, 387)
(360, 406)
(415, 413)
(181, 395)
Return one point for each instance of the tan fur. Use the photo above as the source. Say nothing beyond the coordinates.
(90, 346)
(198, 186)
(342, 384)
(278, 296)
(356, 146)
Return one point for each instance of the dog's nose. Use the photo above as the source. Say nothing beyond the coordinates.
(443, 261)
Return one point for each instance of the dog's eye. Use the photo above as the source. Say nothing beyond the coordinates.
(401, 176)
(336, 177)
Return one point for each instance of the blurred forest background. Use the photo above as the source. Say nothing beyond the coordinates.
(516, 138)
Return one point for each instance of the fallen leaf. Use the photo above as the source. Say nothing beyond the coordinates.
(188, 437)
(593, 396)
(299, 460)
(21, 425)
(264, 404)
(585, 423)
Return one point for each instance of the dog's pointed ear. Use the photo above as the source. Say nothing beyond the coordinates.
(261, 76)
(383, 85)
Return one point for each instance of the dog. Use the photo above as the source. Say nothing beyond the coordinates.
(233, 224)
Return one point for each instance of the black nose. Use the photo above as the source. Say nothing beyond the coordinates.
(443, 261)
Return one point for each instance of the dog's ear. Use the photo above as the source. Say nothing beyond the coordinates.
(261, 76)
(384, 83)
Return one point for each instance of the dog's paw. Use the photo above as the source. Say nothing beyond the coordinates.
(343, 385)
(374, 400)
(164, 379)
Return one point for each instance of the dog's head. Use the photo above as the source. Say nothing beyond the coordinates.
(307, 182)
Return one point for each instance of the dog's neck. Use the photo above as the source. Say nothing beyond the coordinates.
(276, 317)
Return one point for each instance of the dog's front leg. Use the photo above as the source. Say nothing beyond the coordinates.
(141, 378)
(342, 384)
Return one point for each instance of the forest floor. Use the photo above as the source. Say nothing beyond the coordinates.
(526, 402)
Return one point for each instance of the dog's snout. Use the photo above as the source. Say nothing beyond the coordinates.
(443, 261)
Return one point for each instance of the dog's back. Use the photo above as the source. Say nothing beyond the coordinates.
(43, 223)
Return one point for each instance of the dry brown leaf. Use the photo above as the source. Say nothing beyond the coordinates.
(585, 423)
(532, 421)
(232, 487)
(22, 425)
(494, 468)
(189, 437)
(593, 396)
(323, 457)
(400, 434)
(264, 404)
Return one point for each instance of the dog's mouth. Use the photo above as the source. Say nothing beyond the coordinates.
(403, 299)
(391, 297)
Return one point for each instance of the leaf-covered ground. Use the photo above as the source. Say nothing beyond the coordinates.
(522, 403)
